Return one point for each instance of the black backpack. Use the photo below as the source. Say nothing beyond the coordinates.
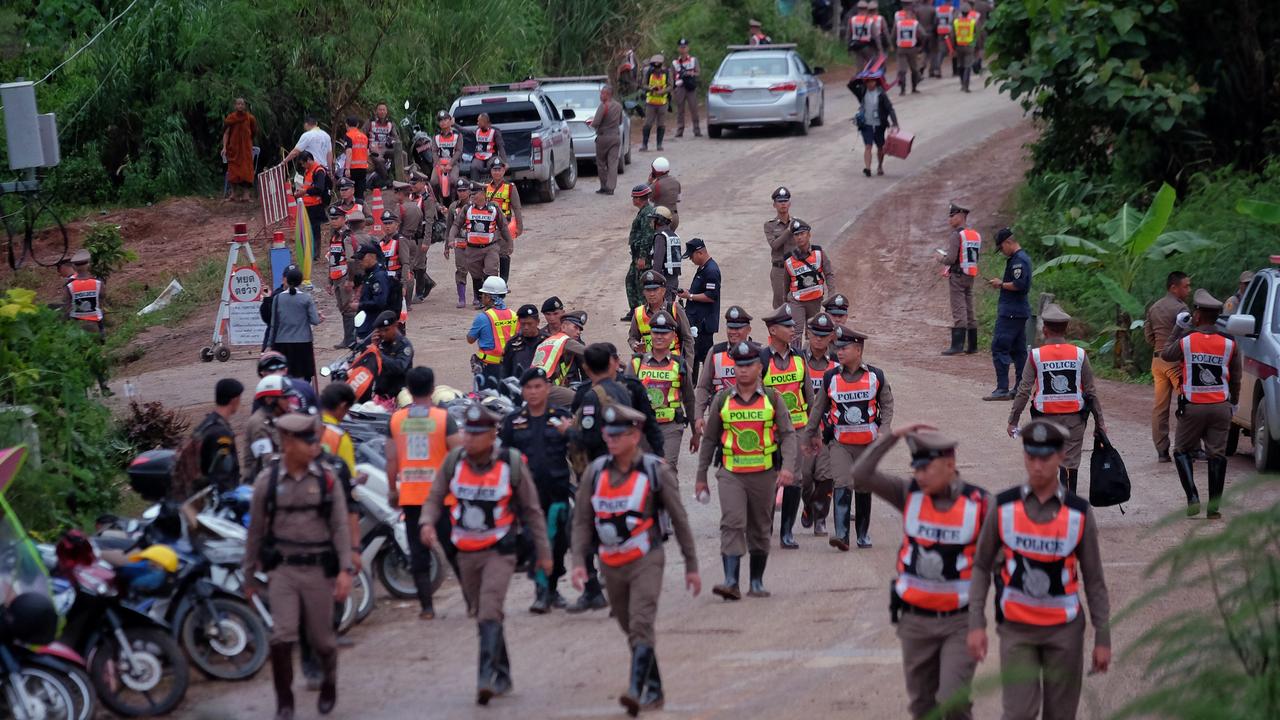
(1108, 479)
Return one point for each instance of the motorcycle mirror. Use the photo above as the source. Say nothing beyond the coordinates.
(360, 318)
(325, 371)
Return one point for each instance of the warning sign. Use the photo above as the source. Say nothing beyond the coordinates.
(246, 326)
(245, 285)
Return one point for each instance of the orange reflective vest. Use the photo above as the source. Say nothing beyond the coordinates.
(1206, 367)
(501, 196)
(646, 334)
(623, 517)
(1058, 368)
(337, 257)
(970, 249)
(750, 438)
(502, 323)
(966, 27)
(854, 415)
(86, 299)
(308, 180)
(447, 144)
(789, 382)
(482, 223)
(548, 354)
(482, 514)
(946, 13)
(818, 367)
(391, 251)
(380, 133)
(907, 30)
(807, 279)
(419, 434)
(484, 144)
(723, 370)
(860, 26)
(359, 157)
(661, 380)
(935, 563)
(1040, 580)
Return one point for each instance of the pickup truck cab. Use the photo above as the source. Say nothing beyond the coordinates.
(1256, 328)
(535, 134)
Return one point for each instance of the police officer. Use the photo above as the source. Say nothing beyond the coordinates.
(777, 233)
(505, 195)
(447, 148)
(666, 189)
(619, 502)
(607, 122)
(1210, 363)
(553, 313)
(748, 429)
(961, 259)
(1009, 341)
(1058, 381)
(298, 535)
(396, 351)
(399, 254)
(517, 356)
(816, 481)
(1161, 323)
(560, 355)
(490, 487)
(375, 289)
(837, 306)
(907, 37)
(1044, 543)
(421, 435)
(85, 295)
(809, 275)
(687, 69)
(966, 38)
(456, 242)
(942, 519)
(655, 293)
(1231, 305)
(702, 301)
(665, 377)
(541, 431)
(657, 84)
(488, 145)
(854, 407)
(484, 228)
(640, 241)
(786, 372)
(863, 36)
(491, 328)
(274, 397)
(418, 216)
(756, 34)
(666, 261)
(719, 363)
(341, 278)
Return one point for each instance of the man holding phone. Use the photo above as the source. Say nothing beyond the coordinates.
(1009, 341)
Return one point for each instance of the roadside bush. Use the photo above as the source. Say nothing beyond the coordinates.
(107, 250)
(49, 366)
(150, 426)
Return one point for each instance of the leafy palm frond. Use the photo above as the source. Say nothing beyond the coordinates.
(1063, 260)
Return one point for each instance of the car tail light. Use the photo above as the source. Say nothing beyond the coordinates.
(782, 87)
(720, 90)
(1259, 369)
(537, 151)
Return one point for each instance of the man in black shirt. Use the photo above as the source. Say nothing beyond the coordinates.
(1009, 340)
(517, 356)
(219, 462)
(541, 432)
(702, 302)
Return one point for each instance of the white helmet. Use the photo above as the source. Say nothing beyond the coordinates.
(661, 165)
(273, 386)
(494, 286)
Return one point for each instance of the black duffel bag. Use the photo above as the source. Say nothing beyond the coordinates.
(1108, 479)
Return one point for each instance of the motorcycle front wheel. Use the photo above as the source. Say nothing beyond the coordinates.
(362, 588)
(74, 678)
(225, 639)
(152, 684)
(47, 693)
(394, 571)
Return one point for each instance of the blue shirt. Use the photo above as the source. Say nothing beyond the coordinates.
(482, 330)
(703, 315)
(1017, 270)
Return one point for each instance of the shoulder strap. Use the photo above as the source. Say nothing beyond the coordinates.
(653, 470)
(1077, 503)
(1008, 496)
(515, 460)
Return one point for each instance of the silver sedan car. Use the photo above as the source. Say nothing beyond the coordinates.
(764, 85)
(582, 96)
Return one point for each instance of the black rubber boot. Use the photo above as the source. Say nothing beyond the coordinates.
(541, 601)
(1217, 482)
(501, 664)
(422, 583)
(641, 658)
(758, 561)
(790, 505)
(652, 698)
(504, 267)
(592, 597)
(644, 140)
(282, 678)
(862, 518)
(729, 590)
(970, 341)
(661, 132)
(1073, 475)
(485, 688)
(841, 500)
(1187, 476)
(329, 685)
(957, 342)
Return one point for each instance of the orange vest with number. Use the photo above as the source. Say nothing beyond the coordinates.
(906, 30)
(502, 323)
(935, 563)
(854, 415)
(419, 433)
(1058, 370)
(946, 13)
(623, 519)
(86, 299)
(1039, 580)
(484, 144)
(1206, 367)
(307, 180)
(482, 514)
(359, 157)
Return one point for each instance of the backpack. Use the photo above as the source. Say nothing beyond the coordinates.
(395, 293)
(1108, 478)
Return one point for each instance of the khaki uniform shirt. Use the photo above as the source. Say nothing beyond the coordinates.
(777, 232)
(1161, 319)
(1087, 387)
(261, 443)
(300, 525)
(608, 118)
(666, 193)
(786, 434)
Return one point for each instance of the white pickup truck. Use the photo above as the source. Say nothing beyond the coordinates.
(1256, 327)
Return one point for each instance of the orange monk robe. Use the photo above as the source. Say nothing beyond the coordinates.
(241, 127)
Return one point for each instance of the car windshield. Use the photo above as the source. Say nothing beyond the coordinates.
(746, 66)
(575, 100)
(500, 113)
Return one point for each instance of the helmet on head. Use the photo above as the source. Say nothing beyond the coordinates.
(494, 286)
(662, 214)
(273, 386)
(272, 361)
(661, 165)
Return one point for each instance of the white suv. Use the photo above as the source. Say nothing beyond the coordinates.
(1256, 327)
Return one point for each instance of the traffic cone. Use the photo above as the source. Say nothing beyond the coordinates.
(293, 208)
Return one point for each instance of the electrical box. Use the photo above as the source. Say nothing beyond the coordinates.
(21, 125)
(49, 140)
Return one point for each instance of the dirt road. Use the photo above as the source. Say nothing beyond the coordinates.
(822, 644)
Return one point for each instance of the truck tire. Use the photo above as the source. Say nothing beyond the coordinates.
(1266, 452)
(714, 132)
(569, 176)
(547, 188)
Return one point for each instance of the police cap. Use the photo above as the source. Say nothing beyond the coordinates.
(496, 163)
(744, 353)
(386, 318)
(684, 42)
(838, 304)
(736, 317)
(799, 226)
(753, 23)
(1042, 438)
(82, 257)
(335, 212)
(929, 445)
(367, 249)
(463, 186)
(442, 115)
(782, 195)
(533, 373)
(662, 322)
(300, 426)
(1053, 313)
(1204, 301)
(781, 316)
(652, 279)
(620, 418)
(822, 325)
(957, 209)
(848, 336)
(389, 216)
(478, 419)
(1246, 277)
(399, 185)
(641, 190)
(552, 304)
(577, 317)
(346, 184)
(527, 311)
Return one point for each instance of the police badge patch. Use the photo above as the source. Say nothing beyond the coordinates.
(1017, 273)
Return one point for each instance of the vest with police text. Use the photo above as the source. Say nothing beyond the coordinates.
(854, 414)
(750, 436)
(1058, 370)
(482, 515)
(935, 563)
(1206, 362)
(1039, 579)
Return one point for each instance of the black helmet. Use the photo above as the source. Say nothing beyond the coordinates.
(30, 619)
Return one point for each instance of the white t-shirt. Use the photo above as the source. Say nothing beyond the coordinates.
(318, 143)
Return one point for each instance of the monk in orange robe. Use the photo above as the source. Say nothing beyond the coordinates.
(237, 147)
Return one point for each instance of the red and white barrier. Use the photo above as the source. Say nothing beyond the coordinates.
(273, 189)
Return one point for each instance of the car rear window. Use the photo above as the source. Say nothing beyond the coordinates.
(574, 100)
(746, 66)
(500, 113)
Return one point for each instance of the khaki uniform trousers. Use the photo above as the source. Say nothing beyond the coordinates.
(1209, 422)
(1167, 378)
(936, 662)
(815, 482)
(1075, 425)
(960, 290)
(779, 282)
(746, 510)
(842, 458)
(343, 294)
(802, 313)
(486, 575)
(908, 59)
(865, 52)
(655, 115)
(672, 444)
(687, 99)
(483, 261)
(301, 593)
(608, 159)
(1055, 655)
(460, 265)
(633, 595)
